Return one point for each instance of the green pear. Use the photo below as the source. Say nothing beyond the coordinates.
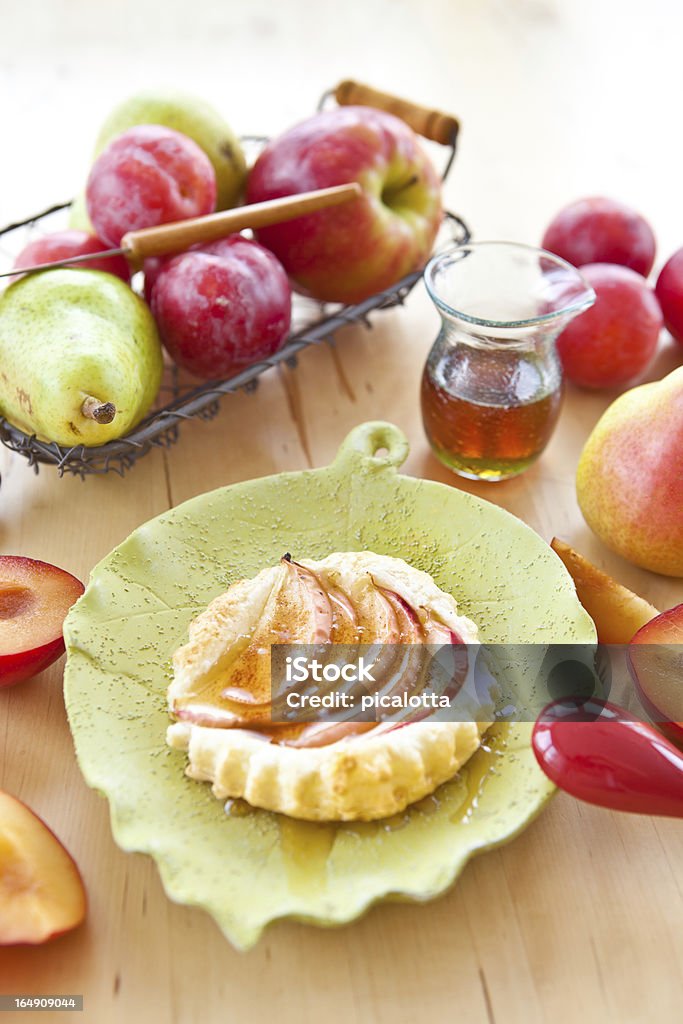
(80, 357)
(78, 215)
(194, 118)
(629, 481)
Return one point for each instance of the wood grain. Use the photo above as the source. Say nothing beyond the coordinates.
(579, 918)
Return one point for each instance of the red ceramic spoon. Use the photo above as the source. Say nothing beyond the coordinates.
(599, 754)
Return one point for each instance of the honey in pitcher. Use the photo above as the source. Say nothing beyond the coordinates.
(477, 435)
(492, 386)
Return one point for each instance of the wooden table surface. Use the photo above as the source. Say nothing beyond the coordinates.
(580, 917)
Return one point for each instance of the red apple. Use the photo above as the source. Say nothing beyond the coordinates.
(669, 291)
(41, 892)
(61, 245)
(600, 230)
(34, 600)
(656, 662)
(348, 252)
(221, 308)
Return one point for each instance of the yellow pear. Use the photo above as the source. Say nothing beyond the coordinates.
(629, 482)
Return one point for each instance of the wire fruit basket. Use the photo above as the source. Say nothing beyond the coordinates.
(180, 397)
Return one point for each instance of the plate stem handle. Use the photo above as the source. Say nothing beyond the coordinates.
(376, 443)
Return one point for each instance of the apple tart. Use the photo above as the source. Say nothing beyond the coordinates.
(220, 695)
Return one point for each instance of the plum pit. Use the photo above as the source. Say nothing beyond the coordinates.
(15, 600)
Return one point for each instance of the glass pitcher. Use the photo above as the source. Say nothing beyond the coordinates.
(492, 385)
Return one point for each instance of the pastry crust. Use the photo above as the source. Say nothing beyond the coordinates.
(370, 776)
(364, 776)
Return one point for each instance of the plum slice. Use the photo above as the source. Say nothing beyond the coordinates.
(34, 599)
(41, 892)
(656, 662)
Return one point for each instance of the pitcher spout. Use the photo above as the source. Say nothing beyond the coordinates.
(506, 286)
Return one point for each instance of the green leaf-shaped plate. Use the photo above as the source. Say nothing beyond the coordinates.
(248, 869)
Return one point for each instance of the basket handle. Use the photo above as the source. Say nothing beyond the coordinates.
(431, 124)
